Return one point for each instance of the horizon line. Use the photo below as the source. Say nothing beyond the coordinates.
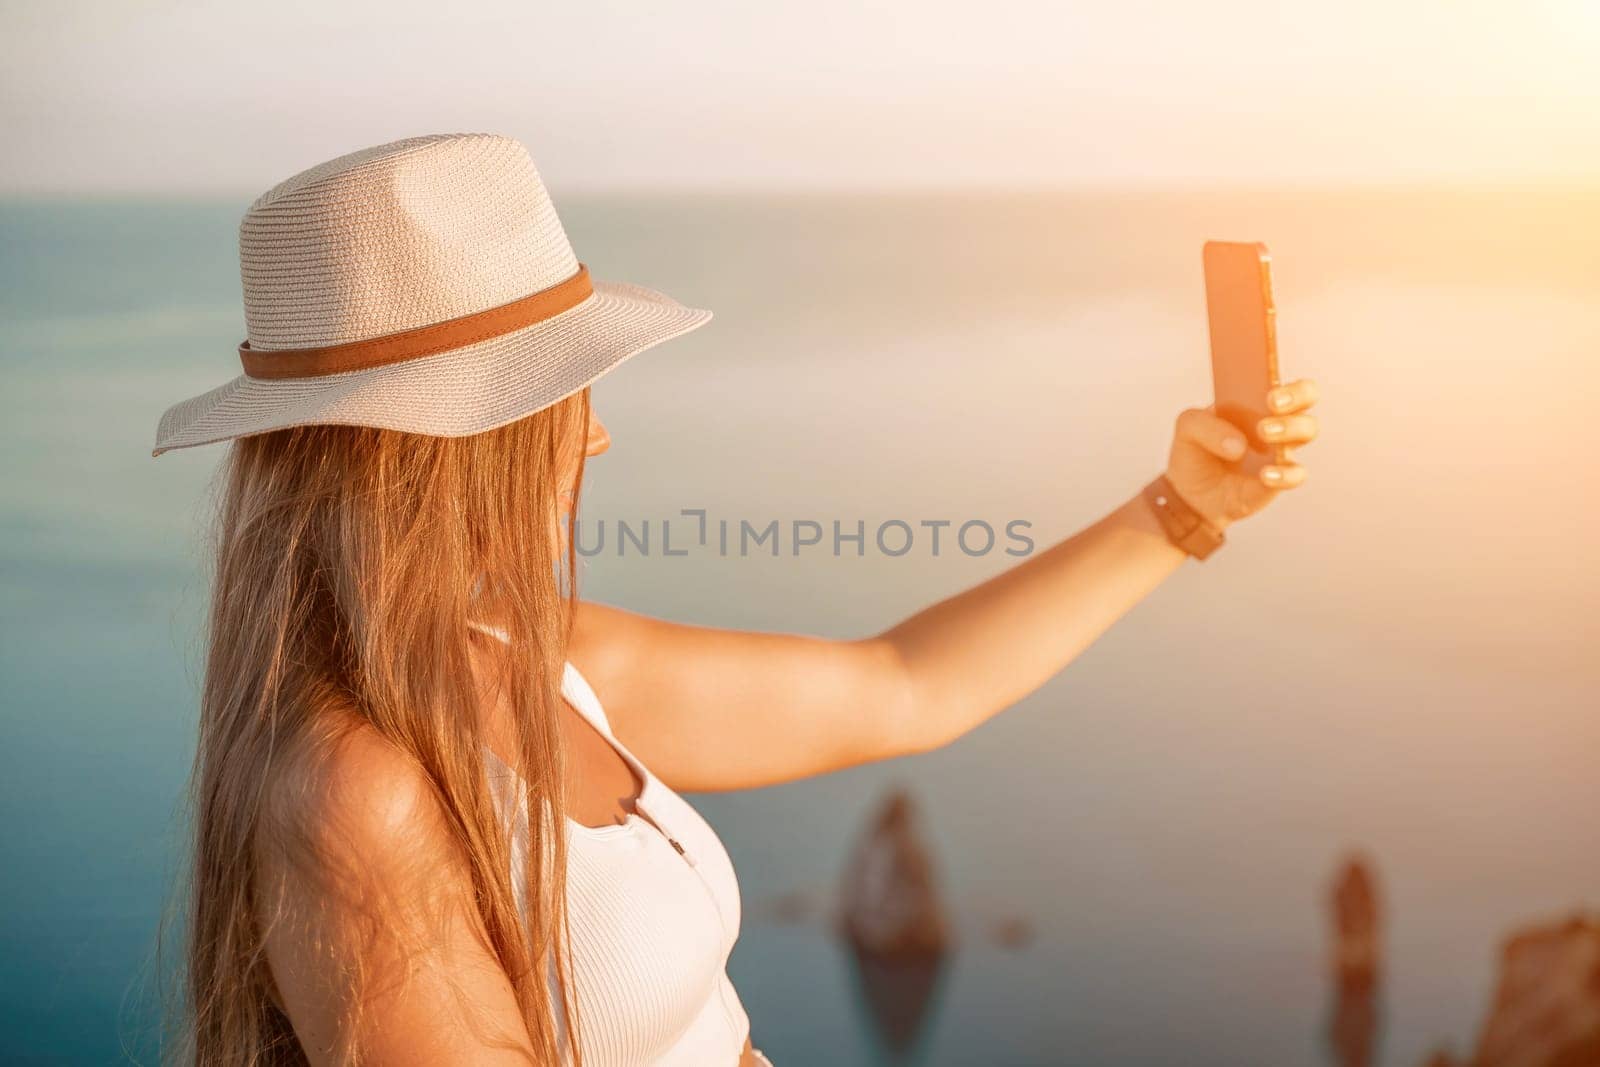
(1135, 186)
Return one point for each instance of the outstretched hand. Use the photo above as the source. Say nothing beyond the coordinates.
(1204, 469)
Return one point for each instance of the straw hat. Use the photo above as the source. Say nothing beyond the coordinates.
(425, 285)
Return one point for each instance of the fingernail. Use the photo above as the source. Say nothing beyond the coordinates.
(1271, 428)
(1234, 446)
(1272, 474)
(1280, 399)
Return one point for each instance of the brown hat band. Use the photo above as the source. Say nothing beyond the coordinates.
(422, 341)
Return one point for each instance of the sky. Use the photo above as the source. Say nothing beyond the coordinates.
(222, 96)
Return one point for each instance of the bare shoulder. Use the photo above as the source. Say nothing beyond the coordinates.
(370, 915)
(609, 646)
(602, 634)
(356, 810)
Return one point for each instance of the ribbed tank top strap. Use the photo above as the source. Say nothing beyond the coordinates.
(575, 687)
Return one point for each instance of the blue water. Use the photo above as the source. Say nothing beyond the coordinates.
(1400, 658)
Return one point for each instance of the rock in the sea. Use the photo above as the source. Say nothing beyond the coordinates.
(889, 900)
(1357, 929)
(1546, 1011)
(892, 917)
(1357, 926)
(1353, 1028)
(1012, 931)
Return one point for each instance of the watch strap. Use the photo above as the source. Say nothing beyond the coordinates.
(1184, 526)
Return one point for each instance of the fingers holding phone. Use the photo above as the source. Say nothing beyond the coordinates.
(1288, 428)
(1230, 460)
(1293, 396)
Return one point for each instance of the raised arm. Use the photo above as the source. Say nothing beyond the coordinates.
(719, 709)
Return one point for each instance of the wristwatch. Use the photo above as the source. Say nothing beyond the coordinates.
(1184, 526)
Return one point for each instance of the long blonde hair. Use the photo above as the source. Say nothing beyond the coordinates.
(345, 569)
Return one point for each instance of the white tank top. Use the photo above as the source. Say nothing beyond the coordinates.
(653, 907)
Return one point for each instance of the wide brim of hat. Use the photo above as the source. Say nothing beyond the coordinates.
(464, 391)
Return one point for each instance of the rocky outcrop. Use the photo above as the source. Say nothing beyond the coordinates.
(893, 919)
(1546, 1007)
(1357, 926)
(1356, 963)
(889, 901)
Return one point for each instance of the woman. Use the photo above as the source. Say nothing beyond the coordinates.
(404, 699)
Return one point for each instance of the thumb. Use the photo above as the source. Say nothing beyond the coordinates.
(1212, 433)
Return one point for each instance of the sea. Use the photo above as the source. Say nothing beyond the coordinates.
(1397, 660)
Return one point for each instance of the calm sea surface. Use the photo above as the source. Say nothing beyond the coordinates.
(1400, 658)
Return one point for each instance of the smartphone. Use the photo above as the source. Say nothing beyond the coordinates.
(1244, 340)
